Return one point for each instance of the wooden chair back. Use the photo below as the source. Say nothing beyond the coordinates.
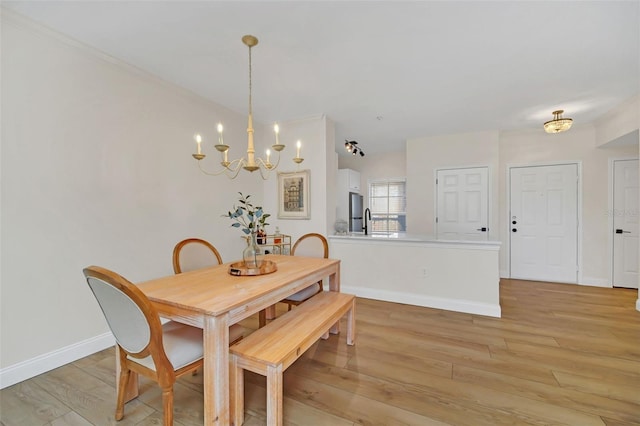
(194, 253)
(312, 245)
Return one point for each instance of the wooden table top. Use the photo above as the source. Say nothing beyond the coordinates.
(213, 291)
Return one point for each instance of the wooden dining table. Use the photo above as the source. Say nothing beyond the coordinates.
(212, 299)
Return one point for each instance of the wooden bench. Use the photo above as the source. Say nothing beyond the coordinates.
(273, 348)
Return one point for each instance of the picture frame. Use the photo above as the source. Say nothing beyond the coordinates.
(293, 195)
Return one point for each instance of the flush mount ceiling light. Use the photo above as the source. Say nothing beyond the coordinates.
(352, 147)
(558, 124)
(251, 163)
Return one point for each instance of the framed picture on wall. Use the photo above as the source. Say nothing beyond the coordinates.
(293, 195)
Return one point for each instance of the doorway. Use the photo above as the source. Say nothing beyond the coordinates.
(625, 223)
(543, 222)
(462, 204)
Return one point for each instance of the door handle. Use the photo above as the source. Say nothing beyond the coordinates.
(620, 231)
(482, 229)
(514, 230)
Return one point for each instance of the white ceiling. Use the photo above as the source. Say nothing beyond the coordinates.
(424, 67)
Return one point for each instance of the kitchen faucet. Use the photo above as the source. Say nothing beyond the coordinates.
(366, 228)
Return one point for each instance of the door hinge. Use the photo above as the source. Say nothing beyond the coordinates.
(436, 181)
(436, 219)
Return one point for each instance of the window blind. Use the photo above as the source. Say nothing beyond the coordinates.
(388, 205)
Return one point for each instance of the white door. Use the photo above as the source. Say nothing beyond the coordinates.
(625, 223)
(462, 204)
(543, 223)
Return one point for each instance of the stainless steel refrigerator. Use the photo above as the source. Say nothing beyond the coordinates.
(355, 212)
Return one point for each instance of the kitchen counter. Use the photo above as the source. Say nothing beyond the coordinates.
(420, 270)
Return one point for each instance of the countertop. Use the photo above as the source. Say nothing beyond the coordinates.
(404, 237)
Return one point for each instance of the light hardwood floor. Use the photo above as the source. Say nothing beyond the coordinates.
(560, 354)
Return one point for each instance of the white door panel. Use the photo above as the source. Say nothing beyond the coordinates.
(462, 204)
(625, 223)
(544, 223)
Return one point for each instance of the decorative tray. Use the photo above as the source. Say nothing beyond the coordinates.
(239, 269)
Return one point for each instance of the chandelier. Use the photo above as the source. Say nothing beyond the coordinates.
(558, 124)
(352, 147)
(251, 163)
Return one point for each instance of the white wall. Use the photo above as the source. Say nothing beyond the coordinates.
(620, 121)
(425, 155)
(577, 145)
(312, 132)
(422, 273)
(501, 150)
(96, 169)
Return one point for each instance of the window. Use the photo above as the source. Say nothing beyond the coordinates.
(388, 204)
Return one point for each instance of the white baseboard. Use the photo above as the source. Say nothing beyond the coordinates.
(504, 273)
(426, 301)
(595, 282)
(588, 281)
(41, 364)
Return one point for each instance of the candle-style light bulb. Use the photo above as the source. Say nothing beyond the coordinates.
(220, 128)
(198, 139)
(268, 155)
(276, 129)
(298, 145)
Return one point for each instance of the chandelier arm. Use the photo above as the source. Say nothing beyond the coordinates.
(262, 175)
(234, 169)
(265, 169)
(234, 172)
(274, 166)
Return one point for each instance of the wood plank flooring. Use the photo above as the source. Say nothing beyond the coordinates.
(560, 355)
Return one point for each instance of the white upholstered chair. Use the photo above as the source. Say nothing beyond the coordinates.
(145, 346)
(194, 253)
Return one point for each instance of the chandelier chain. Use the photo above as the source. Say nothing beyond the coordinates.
(250, 85)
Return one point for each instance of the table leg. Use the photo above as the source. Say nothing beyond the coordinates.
(216, 371)
(334, 285)
(271, 312)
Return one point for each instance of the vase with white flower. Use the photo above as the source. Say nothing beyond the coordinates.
(250, 219)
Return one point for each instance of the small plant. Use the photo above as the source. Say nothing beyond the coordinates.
(246, 216)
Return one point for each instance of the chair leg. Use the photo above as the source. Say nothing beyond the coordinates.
(167, 405)
(125, 373)
(351, 324)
